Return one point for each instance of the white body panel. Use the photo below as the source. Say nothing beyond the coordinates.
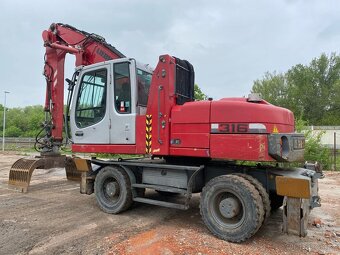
(115, 127)
(99, 132)
(123, 126)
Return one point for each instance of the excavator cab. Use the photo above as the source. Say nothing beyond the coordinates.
(106, 101)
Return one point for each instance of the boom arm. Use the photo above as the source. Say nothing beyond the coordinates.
(59, 40)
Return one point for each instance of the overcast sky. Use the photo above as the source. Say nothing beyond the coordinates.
(230, 43)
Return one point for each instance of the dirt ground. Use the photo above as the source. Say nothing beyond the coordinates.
(54, 218)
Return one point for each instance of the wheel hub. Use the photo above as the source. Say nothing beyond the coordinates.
(112, 189)
(229, 207)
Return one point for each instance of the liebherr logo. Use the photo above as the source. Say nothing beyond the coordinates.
(103, 54)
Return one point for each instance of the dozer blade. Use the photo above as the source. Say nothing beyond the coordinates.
(21, 172)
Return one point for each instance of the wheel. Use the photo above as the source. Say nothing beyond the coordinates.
(112, 188)
(276, 201)
(231, 208)
(263, 193)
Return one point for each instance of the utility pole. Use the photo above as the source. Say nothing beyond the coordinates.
(334, 151)
(4, 124)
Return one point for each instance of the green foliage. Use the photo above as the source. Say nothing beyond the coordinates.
(198, 94)
(13, 131)
(311, 91)
(272, 88)
(314, 150)
(23, 122)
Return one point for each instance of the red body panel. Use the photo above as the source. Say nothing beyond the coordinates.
(105, 148)
(189, 152)
(191, 129)
(190, 125)
(238, 110)
(191, 112)
(253, 147)
(192, 139)
(161, 100)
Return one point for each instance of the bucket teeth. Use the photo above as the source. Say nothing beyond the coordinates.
(21, 172)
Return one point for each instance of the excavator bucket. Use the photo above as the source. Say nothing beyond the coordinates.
(72, 174)
(21, 171)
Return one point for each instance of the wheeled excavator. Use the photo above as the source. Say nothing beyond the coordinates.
(117, 105)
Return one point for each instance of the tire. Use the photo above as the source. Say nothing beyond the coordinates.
(243, 219)
(263, 193)
(276, 201)
(113, 191)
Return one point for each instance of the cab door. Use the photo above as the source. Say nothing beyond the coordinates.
(90, 112)
(123, 108)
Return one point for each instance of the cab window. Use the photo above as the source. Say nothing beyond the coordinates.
(143, 83)
(91, 102)
(122, 87)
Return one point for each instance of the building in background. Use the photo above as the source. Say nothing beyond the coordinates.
(331, 135)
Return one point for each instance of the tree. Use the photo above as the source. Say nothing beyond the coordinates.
(23, 122)
(311, 91)
(198, 94)
(272, 87)
(13, 131)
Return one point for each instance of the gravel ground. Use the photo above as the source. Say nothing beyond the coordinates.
(54, 218)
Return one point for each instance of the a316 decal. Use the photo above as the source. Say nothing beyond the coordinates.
(238, 128)
(229, 128)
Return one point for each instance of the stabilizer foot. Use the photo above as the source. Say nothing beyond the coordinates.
(295, 216)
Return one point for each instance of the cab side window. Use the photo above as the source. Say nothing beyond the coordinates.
(91, 102)
(143, 84)
(122, 88)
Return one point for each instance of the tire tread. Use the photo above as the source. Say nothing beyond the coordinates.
(128, 200)
(263, 193)
(259, 215)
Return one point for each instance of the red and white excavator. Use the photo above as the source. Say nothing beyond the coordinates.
(117, 105)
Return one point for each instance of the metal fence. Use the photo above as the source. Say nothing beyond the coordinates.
(334, 158)
(13, 143)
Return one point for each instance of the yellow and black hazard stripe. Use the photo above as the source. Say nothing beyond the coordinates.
(148, 134)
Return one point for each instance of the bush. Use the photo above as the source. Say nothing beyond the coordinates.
(314, 150)
(13, 132)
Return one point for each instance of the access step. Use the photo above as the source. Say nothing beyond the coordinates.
(160, 188)
(160, 203)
